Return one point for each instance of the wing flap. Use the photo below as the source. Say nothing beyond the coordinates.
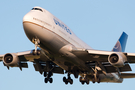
(112, 69)
(54, 70)
(127, 75)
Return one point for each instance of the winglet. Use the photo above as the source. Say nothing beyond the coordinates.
(121, 43)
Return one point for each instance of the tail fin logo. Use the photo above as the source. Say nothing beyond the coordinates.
(117, 47)
(121, 43)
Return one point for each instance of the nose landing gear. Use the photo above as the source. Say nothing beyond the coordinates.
(37, 44)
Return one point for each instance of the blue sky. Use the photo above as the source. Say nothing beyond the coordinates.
(97, 22)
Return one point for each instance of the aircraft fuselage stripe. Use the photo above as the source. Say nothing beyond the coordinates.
(48, 30)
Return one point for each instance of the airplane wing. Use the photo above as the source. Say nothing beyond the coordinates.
(40, 61)
(131, 57)
(109, 61)
(102, 57)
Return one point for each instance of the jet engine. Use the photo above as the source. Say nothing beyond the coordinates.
(10, 59)
(117, 59)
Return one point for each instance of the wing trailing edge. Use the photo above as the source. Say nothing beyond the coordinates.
(127, 75)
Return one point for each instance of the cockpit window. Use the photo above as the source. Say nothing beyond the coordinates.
(37, 9)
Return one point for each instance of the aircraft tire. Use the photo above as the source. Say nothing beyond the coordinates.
(64, 79)
(98, 80)
(80, 79)
(46, 80)
(93, 80)
(71, 81)
(51, 80)
(45, 74)
(87, 82)
(66, 82)
(82, 82)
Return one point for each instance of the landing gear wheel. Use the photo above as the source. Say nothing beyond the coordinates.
(66, 82)
(76, 74)
(93, 80)
(87, 82)
(45, 74)
(51, 80)
(64, 79)
(82, 82)
(71, 81)
(80, 79)
(36, 53)
(46, 80)
(98, 80)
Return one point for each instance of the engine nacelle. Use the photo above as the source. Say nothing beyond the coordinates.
(117, 59)
(10, 59)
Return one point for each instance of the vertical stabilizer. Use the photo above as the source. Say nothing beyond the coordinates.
(121, 43)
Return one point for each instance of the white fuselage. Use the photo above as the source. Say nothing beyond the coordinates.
(57, 37)
(47, 20)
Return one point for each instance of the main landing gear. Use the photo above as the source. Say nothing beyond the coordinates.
(84, 80)
(48, 77)
(96, 79)
(68, 80)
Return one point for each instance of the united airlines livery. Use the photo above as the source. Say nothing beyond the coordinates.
(59, 50)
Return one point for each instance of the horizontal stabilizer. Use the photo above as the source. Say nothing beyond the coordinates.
(127, 75)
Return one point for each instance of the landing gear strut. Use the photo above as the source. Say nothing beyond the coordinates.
(96, 77)
(36, 42)
(68, 80)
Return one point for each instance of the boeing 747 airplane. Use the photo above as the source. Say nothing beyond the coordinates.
(59, 50)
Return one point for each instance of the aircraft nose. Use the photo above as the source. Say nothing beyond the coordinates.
(27, 17)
